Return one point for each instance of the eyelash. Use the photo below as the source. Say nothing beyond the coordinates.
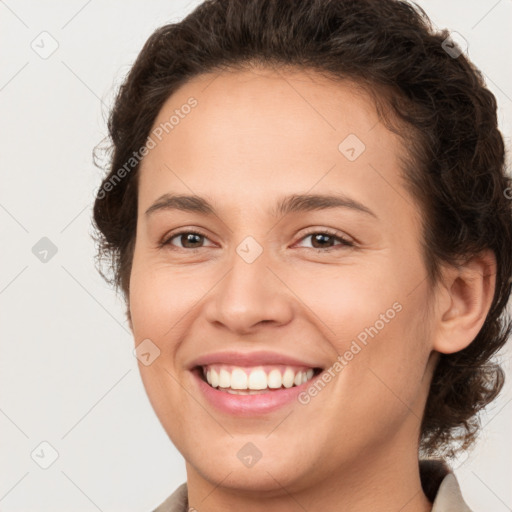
(344, 242)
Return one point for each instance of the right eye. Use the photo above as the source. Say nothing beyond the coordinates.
(188, 239)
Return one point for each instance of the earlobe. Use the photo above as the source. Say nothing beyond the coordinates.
(464, 301)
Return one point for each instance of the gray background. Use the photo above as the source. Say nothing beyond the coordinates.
(67, 373)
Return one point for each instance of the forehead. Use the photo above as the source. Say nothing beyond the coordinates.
(257, 130)
(291, 108)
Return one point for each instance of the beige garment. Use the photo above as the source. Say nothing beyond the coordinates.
(446, 495)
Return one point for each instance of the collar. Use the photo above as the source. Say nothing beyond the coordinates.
(441, 487)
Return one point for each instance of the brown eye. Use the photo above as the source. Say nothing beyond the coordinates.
(321, 240)
(187, 240)
(327, 240)
(191, 240)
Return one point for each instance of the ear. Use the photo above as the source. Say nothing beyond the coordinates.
(463, 300)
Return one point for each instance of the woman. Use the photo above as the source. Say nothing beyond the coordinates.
(307, 213)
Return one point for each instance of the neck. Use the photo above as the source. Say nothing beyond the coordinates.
(386, 482)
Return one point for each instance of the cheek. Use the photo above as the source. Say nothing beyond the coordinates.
(160, 299)
(158, 307)
(348, 298)
(388, 375)
(374, 319)
(381, 388)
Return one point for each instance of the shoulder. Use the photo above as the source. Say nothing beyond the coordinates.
(176, 502)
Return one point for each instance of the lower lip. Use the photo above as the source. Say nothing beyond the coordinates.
(249, 405)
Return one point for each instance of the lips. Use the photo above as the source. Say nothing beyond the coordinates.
(255, 358)
(253, 382)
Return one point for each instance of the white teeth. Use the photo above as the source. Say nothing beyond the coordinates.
(274, 379)
(258, 379)
(214, 376)
(243, 381)
(288, 377)
(238, 379)
(224, 378)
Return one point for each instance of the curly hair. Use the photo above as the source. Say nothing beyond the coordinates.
(440, 106)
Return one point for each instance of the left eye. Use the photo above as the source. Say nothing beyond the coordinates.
(323, 240)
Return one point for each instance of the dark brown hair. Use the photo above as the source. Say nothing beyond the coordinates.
(456, 157)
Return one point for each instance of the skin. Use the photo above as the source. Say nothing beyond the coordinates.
(255, 136)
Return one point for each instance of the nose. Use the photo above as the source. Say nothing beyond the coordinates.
(248, 296)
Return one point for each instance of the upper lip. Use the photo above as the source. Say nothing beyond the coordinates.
(254, 358)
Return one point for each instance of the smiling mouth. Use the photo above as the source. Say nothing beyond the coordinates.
(255, 380)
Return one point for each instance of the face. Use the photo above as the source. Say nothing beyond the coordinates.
(316, 304)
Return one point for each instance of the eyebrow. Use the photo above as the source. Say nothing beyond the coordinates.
(286, 205)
